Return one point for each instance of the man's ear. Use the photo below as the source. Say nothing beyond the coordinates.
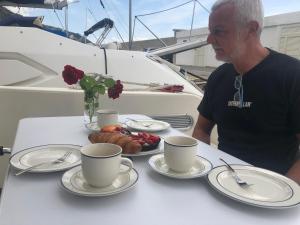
(253, 27)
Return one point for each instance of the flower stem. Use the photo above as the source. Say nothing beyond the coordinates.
(91, 104)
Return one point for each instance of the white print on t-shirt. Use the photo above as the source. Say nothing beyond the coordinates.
(237, 104)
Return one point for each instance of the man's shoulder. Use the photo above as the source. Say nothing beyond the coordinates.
(221, 71)
(281, 59)
(286, 67)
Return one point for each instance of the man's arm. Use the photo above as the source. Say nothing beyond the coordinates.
(203, 129)
(294, 171)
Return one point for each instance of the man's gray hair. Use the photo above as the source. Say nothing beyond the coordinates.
(246, 11)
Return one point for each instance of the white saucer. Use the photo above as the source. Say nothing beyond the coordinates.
(73, 181)
(46, 153)
(200, 168)
(148, 125)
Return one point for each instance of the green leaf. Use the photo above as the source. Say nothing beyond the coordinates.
(109, 82)
(100, 89)
(87, 83)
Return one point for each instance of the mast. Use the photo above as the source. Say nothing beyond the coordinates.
(130, 25)
(67, 20)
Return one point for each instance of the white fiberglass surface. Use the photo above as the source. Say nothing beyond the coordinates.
(129, 66)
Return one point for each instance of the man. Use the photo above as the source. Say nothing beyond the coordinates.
(254, 98)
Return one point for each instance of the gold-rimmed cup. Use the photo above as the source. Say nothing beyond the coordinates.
(180, 152)
(107, 117)
(101, 163)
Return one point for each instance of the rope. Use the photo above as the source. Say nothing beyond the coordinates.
(94, 19)
(156, 12)
(165, 9)
(62, 26)
(164, 44)
(119, 34)
(112, 9)
(108, 17)
(101, 3)
(207, 10)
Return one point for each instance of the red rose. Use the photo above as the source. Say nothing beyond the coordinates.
(79, 73)
(115, 91)
(71, 75)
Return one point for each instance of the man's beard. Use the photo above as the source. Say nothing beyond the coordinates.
(235, 54)
(223, 58)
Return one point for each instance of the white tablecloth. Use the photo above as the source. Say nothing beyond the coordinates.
(38, 199)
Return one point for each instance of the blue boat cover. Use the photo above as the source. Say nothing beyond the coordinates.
(55, 30)
(22, 21)
(57, 4)
(102, 23)
(18, 20)
(26, 1)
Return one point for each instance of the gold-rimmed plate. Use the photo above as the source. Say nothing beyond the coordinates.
(266, 188)
(46, 154)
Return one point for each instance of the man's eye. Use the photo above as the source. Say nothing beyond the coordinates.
(217, 32)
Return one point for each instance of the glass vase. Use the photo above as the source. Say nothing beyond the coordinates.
(91, 105)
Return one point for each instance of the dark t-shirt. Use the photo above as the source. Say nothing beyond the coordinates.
(262, 132)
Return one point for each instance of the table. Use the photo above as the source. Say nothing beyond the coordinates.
(38, 199)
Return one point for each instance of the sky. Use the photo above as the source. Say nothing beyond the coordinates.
(85, 13)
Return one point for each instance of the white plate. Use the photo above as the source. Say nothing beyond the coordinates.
(74, 182)
(200, 168)
(157, 150)
(46, 153)
(148, 125)
(268, 189)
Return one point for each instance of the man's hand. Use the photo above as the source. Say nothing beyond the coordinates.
(203, 129)
(294, 171)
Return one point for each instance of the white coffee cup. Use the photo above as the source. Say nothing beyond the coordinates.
(101, 163)
(107, 117)
(180, 152)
